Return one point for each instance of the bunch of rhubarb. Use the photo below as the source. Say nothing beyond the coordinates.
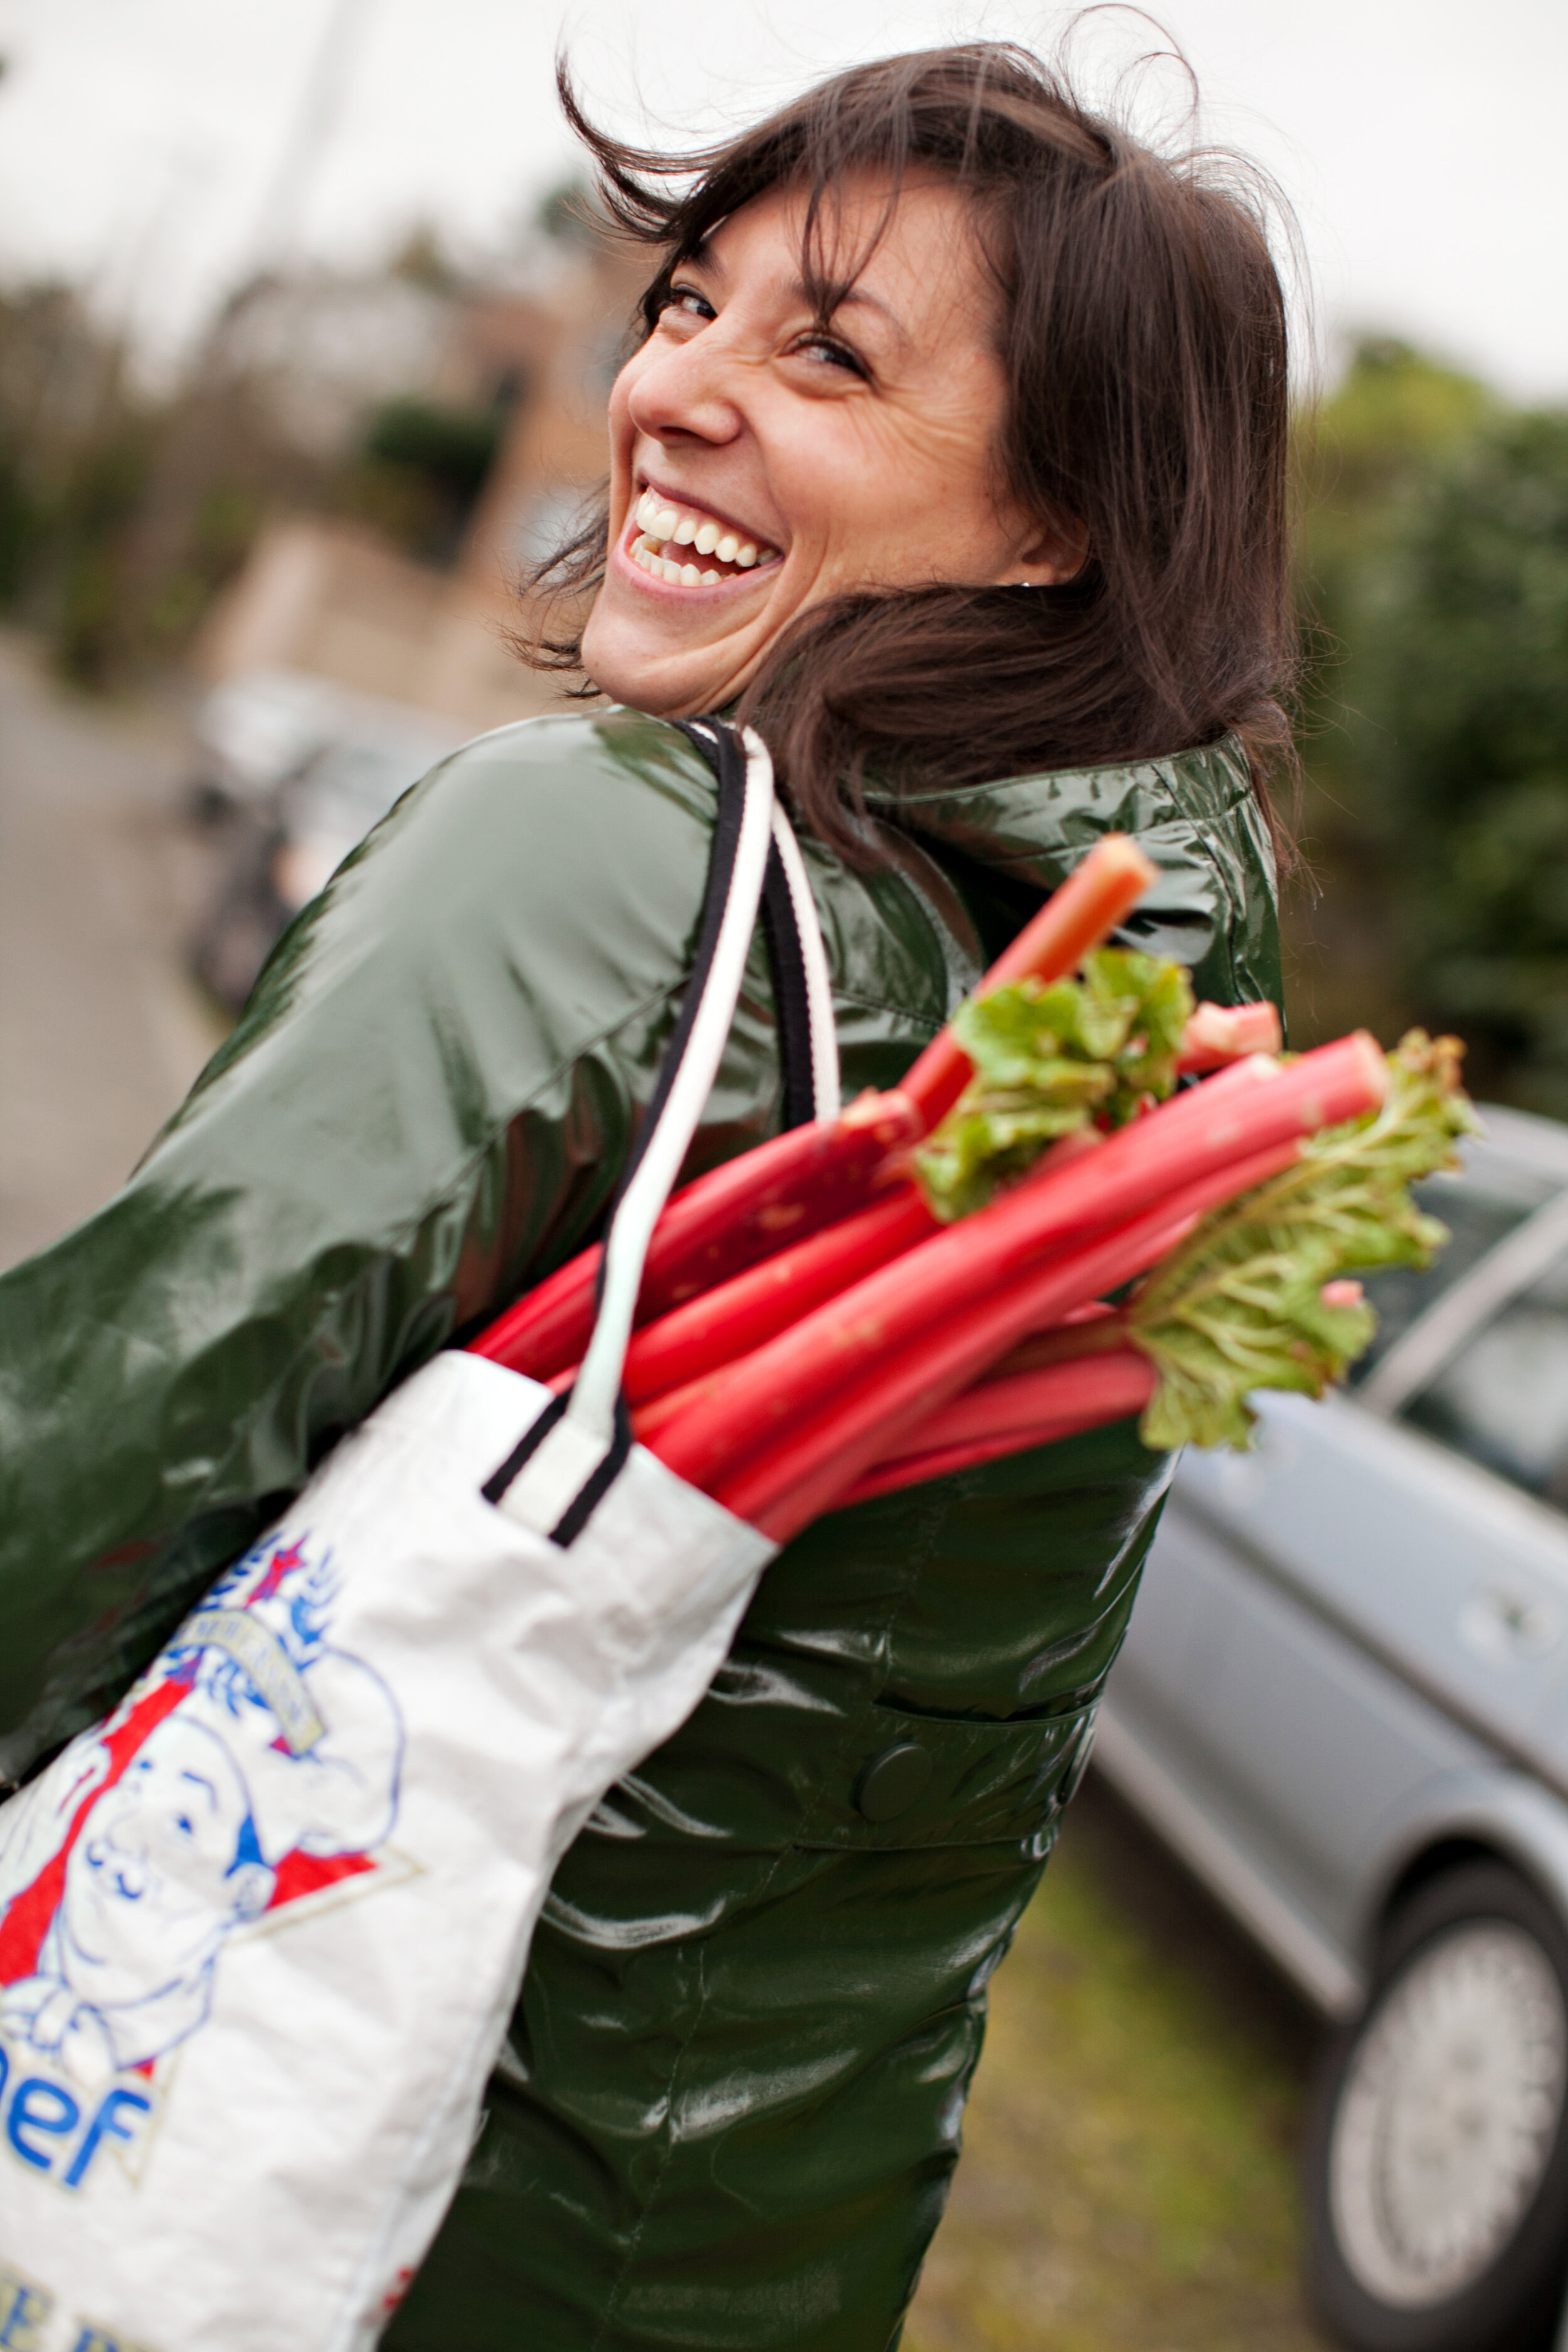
(1040, 1231)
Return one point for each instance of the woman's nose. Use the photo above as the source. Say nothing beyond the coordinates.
(686, 389)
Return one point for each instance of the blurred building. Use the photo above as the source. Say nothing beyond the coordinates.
(338, 598)
(319, 347)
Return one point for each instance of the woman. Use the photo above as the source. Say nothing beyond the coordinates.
(951, 455)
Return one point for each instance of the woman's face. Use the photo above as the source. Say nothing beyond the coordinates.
(761, 464)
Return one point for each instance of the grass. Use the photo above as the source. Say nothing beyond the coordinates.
(1129, 2179)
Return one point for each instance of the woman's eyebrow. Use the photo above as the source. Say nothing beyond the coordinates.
(801, 292)
(796, 290)
(852, 295)
(875, 302)
(702, 256)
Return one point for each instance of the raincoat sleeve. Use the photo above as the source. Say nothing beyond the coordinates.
(426, 1102)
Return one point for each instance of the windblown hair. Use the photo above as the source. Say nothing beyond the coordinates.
(1142, 330)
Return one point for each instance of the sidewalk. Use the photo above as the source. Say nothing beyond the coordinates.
(100, 1034)
(1128, 2179)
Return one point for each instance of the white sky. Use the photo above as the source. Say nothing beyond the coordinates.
(1420, 141)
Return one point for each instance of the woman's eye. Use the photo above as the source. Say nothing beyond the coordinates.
(822, 349)
(686, 299)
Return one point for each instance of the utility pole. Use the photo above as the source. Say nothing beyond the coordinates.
(193, 457)
(316, 116)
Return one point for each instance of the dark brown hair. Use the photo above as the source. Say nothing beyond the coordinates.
(1142, 329)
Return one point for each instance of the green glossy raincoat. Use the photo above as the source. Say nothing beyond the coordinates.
(730, 2100)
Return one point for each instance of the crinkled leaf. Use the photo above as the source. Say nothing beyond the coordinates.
(1238, 1305)
(1050, 1058)
(1146, 1060)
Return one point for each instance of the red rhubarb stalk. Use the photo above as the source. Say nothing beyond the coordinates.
(1087, 1331)
(805, 1469)
(1077, 917)
(1021, 1402)
(1262, 1294)
(713, 1227)
(1012, 1416)
(1222, 1033)
(882, 1233)
(739, 1315)
(1250, 1108)
(792, 1186)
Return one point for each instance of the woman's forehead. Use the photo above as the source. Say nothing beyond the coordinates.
(887, 244)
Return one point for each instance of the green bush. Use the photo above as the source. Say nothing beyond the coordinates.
(1438, 733)
(421, 468)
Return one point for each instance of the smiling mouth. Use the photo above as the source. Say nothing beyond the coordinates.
(689, 548)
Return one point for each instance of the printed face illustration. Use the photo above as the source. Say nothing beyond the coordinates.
(166, 1864)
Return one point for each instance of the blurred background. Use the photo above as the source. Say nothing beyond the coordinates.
(305, 339)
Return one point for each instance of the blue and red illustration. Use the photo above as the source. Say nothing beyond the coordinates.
(253, 1766)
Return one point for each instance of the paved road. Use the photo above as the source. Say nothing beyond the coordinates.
(99, 1033)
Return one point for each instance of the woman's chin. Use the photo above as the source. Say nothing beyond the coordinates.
(666, 681)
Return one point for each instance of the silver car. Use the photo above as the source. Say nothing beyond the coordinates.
(1345, 1703)
(294, 771)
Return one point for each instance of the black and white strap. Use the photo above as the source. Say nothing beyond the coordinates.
(554, 1477)
(803, 990)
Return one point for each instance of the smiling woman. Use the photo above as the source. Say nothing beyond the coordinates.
(951, 457)
(931, 334)
(822, 460)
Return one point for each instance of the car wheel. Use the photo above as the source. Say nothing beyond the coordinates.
(1439, 2161)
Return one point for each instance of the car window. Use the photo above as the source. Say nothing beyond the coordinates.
(1480, 1208)
(1504, 1399)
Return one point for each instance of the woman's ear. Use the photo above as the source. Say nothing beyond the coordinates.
(1053, 553)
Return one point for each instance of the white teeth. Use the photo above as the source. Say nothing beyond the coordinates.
(666, 526)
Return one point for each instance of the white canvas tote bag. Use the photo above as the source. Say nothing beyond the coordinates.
(261, 1930)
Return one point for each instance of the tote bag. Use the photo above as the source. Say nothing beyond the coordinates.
(262, 1928)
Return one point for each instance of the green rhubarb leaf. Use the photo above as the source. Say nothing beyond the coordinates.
(1051, 1057)
(1239, 1305)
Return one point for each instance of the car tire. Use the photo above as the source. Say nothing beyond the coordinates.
(1438, 2166)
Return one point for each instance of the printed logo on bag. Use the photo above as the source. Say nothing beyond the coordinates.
(250, 1775)
(25, 2309)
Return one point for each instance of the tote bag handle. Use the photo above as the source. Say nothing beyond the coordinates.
(568, 1458)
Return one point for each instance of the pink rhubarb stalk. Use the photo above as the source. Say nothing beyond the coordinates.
(783, 1190)
(1251, 1108)
(782, 1487)
(999, 1417)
